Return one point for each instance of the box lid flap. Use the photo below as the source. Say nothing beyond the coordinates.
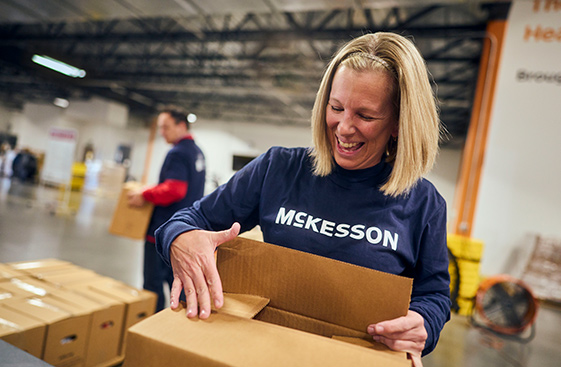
(313, 286)
(38, 309)
(243, 305)
(7, 272)
(43, 263)
(11, 321)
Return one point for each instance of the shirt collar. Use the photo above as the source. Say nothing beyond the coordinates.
(186, 137)
(369, 177)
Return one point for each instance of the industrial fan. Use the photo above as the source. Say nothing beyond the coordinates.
(505, 306)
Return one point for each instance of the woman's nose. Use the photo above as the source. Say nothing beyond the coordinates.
(346, 125)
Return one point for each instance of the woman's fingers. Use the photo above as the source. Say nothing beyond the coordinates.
(407, 333)
(226, 235)
(194, 268)
(175, 293)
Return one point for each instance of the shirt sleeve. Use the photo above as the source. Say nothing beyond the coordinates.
(431, 285)
(168, 192)
(236, 201)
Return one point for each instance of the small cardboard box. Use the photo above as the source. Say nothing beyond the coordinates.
(104, 332)
(51, 270)
(7, 272)
(309, 311)
(67, 276)
(139, 303)
(66, 338)
(22, 331)
(104, 346)
(27, 287)
(106, 324)
(131, 222)
(44, 264)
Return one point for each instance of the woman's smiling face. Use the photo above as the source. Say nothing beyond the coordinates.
(360, 117)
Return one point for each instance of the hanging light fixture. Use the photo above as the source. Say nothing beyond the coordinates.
(58, 66)
(191, 118)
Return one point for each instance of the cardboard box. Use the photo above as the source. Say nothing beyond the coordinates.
(139, 303)
(5, 294)
(106, 317)
(106, 329)
(316, 314)
(66, 337)
(22, 331)
(131, 222)
(27, 287)
(78, 292)
(39, 264)
(64, 277)
(39, 272)
(7, 272)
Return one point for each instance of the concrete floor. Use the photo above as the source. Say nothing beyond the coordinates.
(40, 222)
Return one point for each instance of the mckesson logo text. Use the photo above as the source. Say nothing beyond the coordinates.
(373, 235)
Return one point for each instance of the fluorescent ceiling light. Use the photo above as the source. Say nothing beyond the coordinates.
(61, 102)
(59, 66)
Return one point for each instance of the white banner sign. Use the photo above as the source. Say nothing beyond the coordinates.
(59, 156)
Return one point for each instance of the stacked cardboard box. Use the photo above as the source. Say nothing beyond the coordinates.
(467, 252)
(110, 179)
(68, 315)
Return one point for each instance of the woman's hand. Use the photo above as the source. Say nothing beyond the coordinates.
(194, 269)
(406, 333)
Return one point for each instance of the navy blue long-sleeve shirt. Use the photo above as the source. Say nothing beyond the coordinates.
(343, 216)
(184, 163)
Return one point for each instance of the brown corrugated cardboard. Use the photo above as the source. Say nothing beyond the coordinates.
(105, 331)
(299, 283)
(106, 335)
(66, 334)
(139, 303)
(7, 272)
(64, 277)
(130, 221)
(5, 294)
(307, 293)
(39, 264)
(22, 331)
(27, 287)
(40, 271)
(66, 287)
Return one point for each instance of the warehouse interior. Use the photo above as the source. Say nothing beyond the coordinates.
(248, 72)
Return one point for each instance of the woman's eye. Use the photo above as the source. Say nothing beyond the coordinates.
(366, 117)
(337, 109)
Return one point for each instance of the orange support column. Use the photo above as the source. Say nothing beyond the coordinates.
(474, 151)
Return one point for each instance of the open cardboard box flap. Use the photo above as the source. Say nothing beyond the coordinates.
(292, 289)
(312, 286)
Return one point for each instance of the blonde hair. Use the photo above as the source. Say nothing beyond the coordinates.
(415, 151)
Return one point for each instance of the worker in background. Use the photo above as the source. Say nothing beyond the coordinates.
(181, 182)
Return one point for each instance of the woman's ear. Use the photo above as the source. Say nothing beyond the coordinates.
(395, 131)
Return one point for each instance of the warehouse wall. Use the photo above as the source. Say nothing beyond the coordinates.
(5, 118)
(520, 190)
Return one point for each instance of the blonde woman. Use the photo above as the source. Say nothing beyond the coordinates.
(356, 196)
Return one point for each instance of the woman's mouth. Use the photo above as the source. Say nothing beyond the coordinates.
(348, 147)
